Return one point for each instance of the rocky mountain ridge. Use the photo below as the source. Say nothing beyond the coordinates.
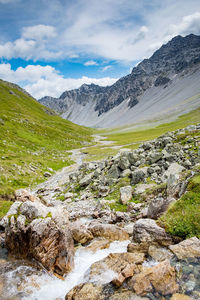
(178, 58)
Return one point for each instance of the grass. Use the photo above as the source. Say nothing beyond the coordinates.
(183, 217)
(138, 135)
(4, 207)
(32, 139)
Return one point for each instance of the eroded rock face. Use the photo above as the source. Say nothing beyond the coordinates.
(147, 231)
(161, 278)
(109, 232)
(35, 232)
(187, 248)
(158, 206)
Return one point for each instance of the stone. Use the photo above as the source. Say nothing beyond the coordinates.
(86, 180)
(146, 230)
(154, 157)
(24, 195)
(174, 169)
(124, 163)
(85, 291)
(109, 232)
(47, 174)
(80, 233)
(98, 245)
(180, 297)
(137, 176)
(141, 188)
(123, 265)
(45, 238)
(159, 253)
(133, 158)
(126, 295)
(125, 194)
(187, 248)
(118, 280)
(161, 277)
(158, 206)
(114, 172)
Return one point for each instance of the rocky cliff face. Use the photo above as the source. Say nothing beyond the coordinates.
(177, 59)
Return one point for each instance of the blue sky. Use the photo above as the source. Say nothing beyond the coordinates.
(51, 46)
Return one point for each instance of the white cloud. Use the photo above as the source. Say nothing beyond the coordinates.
(40, 81)
(32, 44)
(6, 1)
(106, 68)
(90, 63)
(188, 24)
(38, 32)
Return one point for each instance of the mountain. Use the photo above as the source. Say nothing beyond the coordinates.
(162, 85)
(32, 139)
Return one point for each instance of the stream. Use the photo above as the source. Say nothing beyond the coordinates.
(22, 281)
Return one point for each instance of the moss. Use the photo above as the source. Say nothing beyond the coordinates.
(49, 215)
(117, 206)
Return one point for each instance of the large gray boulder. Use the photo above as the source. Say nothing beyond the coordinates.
(158, 206)
(147, 231)
(125, 194)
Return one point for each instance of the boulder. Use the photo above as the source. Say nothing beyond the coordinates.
(108, 231)
(125, 194)
(159, 253)
(98, 245)
(161, 277)
(35, 232)
(187, 248)
(114, 172)
(147, 231)
(86, 180)
(174, 170)
(158, 206)
(80, 233)
(154, 157)
(137, 176)
(124, 163)
(121, 265)
(25, 195)
(85, 291)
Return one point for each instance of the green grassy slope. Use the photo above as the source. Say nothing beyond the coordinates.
(32, 139)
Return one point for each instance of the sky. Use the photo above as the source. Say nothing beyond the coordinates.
(48, 47)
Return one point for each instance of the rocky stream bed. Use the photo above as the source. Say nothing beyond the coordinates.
(95, 230)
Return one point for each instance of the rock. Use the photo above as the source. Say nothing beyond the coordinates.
(158, 206)
(154, 157)
(114, 172)
(46, 238)
(187, 248)
(86, 180)
(122, 265)
(138, 247)
(109, 232)
(98, 245)
(180, 297)
(80, 233)
(124, 163)
(174, 169)
(68, 195)
(137, 176)
(159, 253)
(141, 188)
(126, 295)
(146, 230)
(133, 158)
(85, 291)
(161, 277)
(47, 174)
(24, 195)
(125, 194)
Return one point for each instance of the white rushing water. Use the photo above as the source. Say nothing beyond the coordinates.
(45, 286)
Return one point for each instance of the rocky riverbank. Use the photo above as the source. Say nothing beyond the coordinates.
(127, 198)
